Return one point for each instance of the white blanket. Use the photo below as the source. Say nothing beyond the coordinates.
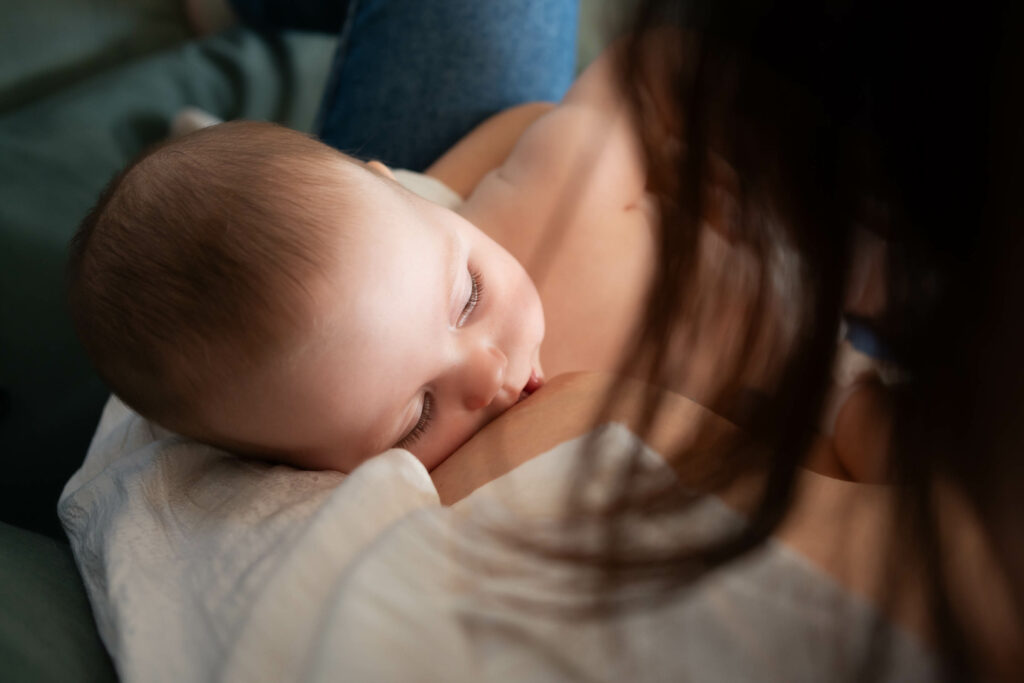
(201, 566)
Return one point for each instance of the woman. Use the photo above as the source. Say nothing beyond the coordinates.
(829, 122)
(793, 128)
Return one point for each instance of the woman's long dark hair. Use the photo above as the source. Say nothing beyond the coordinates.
(837, 116)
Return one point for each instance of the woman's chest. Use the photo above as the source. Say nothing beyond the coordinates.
(591, 263)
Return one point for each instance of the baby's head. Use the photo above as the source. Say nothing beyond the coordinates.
(255, 289)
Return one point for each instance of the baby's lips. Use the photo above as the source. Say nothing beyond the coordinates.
(534, 383)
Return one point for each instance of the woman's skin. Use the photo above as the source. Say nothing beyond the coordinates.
(563, 189)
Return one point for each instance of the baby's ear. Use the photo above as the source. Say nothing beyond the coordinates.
(379, 168)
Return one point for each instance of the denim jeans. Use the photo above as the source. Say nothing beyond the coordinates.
(411, 77)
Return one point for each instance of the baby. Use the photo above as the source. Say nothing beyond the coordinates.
(255, 289)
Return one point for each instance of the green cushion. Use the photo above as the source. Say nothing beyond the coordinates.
(47, 632)
(49, 44)
(56, 153)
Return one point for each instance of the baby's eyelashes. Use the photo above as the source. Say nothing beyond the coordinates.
(475, 292)
(426, 414)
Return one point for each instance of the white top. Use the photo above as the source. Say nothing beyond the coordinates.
(202, 566)
(428, 187)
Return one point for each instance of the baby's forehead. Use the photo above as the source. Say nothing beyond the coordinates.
(336, 194)
(376, 315)
(360, 186)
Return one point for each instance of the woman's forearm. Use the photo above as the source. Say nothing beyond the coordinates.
(567, 407)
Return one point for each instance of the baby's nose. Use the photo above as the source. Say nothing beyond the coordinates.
(484, 376)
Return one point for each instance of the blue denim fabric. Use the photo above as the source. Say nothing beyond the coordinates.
(411, 77)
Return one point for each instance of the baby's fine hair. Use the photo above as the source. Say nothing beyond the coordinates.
(193, 265)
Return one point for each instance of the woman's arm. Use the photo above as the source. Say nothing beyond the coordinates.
(485, 147)
(565, 408)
